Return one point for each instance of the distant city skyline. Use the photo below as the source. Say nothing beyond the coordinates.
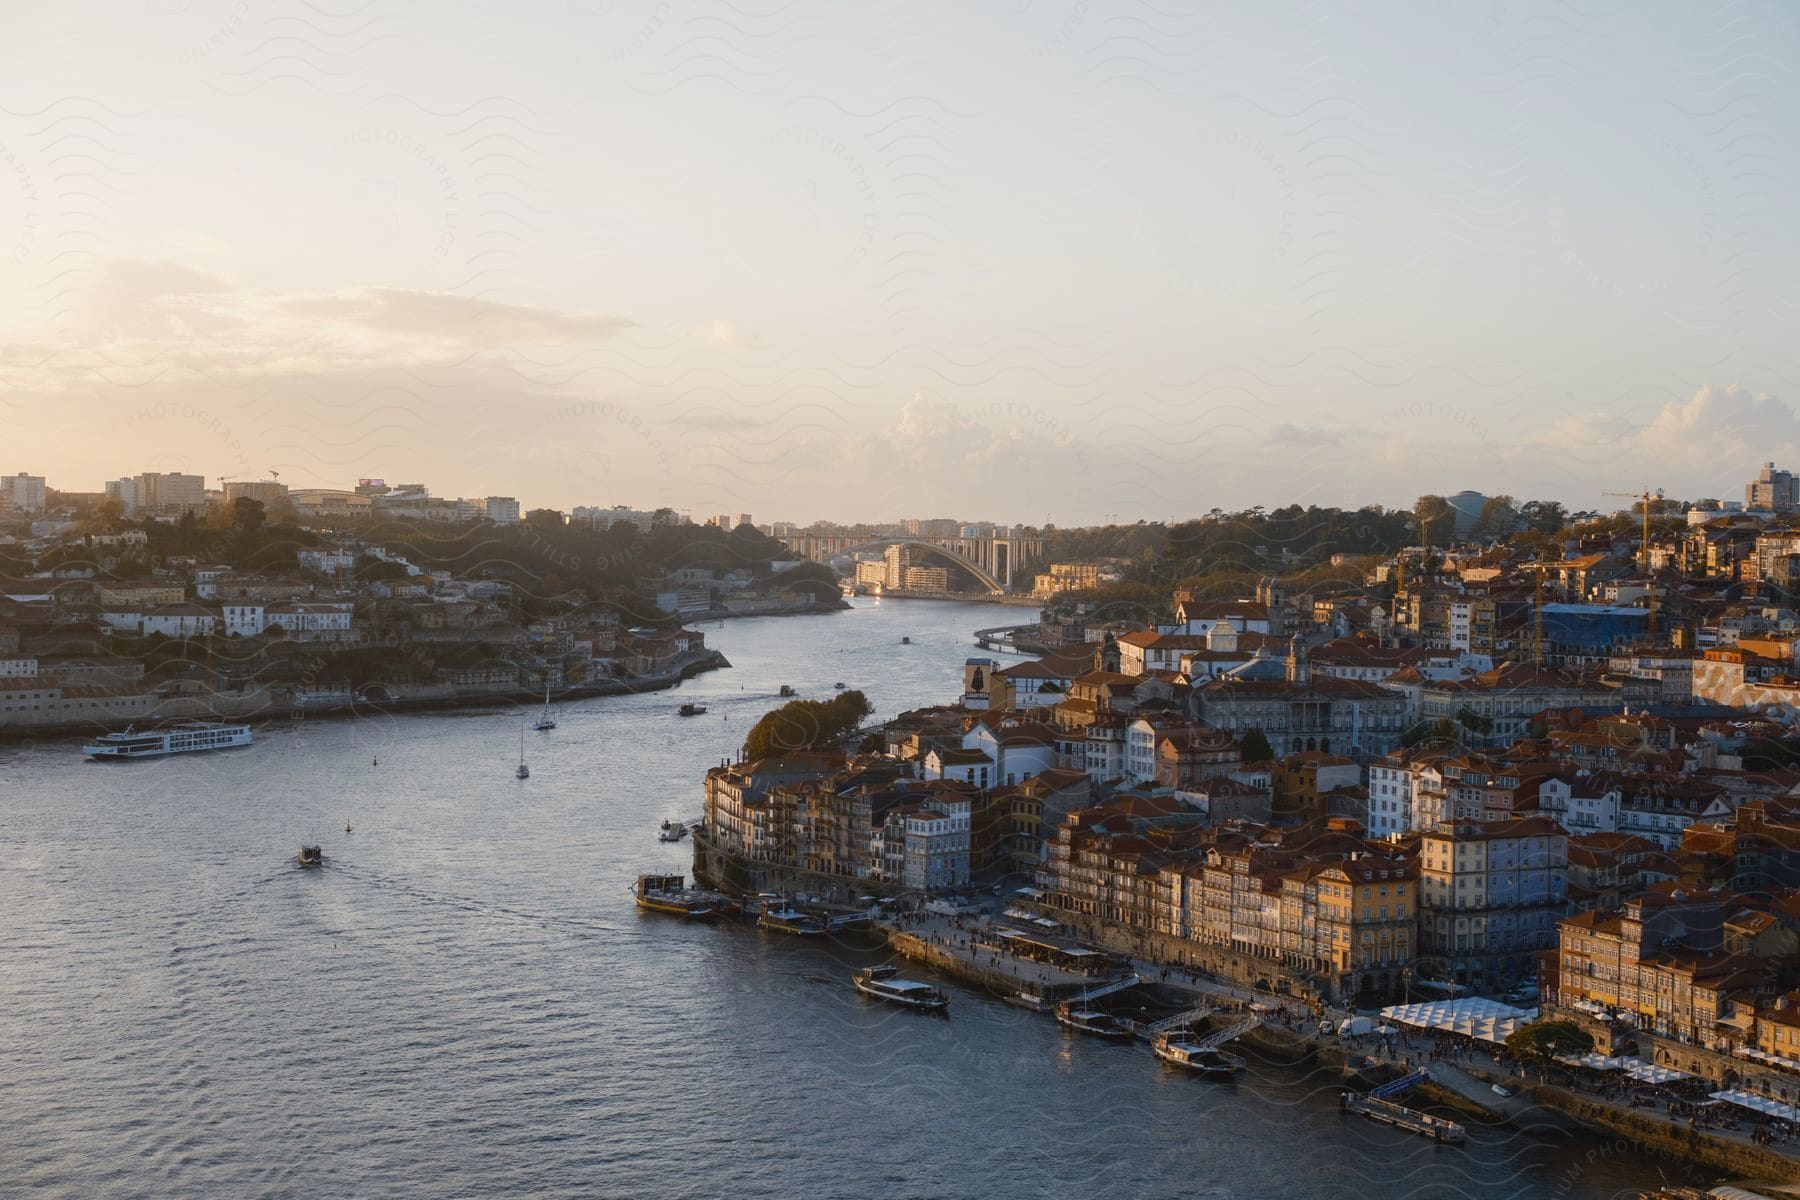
(1042, 260)
(1769, 485)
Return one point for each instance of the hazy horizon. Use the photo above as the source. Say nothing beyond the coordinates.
(1035, 262)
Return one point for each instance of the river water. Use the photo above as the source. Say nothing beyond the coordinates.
(464, 1001)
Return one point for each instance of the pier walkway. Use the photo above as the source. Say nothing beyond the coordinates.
(1106, 989)
(1379, 1105)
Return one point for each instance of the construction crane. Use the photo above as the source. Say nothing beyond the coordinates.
(1644, 498)
(1537, 604)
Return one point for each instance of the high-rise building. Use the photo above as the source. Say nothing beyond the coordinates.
(1772, 489)
(267, 492)
(502, 510)
(927, 579)
(605, 518)
(170, 494)
(22, 492)
(899, 558)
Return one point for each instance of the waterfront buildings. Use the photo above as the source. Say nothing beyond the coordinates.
(1491, 893)
(1662, 960)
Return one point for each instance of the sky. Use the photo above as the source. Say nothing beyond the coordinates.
(1027, 260)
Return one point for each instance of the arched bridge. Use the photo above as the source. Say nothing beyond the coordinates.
(995, 561)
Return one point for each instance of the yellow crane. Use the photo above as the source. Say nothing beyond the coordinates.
(1644, 498)
(1537, 604)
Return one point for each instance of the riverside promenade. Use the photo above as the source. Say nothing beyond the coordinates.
(970, 948)
(1462, 1072)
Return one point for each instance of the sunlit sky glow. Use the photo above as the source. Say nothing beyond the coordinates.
(1024, 261)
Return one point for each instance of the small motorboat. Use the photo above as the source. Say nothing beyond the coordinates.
(310, 856)
(671, 831)
(1093, 1022)
(838, 686)
(884, 983)
(786, 690)
(691, 710)
(906, 641)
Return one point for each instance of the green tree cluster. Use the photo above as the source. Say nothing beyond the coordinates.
(806, 725)
(1542, 1041)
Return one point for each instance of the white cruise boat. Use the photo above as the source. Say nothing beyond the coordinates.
(884, 983)
(188, 737)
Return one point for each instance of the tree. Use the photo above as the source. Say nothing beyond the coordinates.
(812, 579)
(1435, 516)
(806, 725)
(247, 515)
(1544, 516)
(1496, 520)
(1436, 733)
(370, 569)
(1473, 721)
(664, 518)
(1254, 746)
(545, 518)
(108, 515)
(1542, 1041)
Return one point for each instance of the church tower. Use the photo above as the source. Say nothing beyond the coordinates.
(1299, 665)
(1106, 658)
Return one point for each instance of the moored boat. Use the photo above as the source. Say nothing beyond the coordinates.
(791, 920)
(885, 983)
(1178, 1050)
(1093, 1022)
(671, 831)
(691, 710)
(670, 894)
(545, 721)
(184, 737)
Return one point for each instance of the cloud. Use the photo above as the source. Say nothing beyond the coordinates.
(1309, 436)
(727, 333)
(1721, 417)
(128, 279)
(441, 316)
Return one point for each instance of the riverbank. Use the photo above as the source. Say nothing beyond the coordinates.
(767, 608)
(967, 950)
(267, 704)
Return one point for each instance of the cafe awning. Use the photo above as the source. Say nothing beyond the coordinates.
(1761, 1104)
